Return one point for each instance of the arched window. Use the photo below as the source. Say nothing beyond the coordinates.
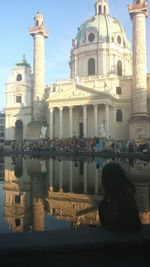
(104, 9)
(91, 66)
(119, 116)
(17, 222)
(99, 10)
(37, 23)
(119, 68)
(19, 77)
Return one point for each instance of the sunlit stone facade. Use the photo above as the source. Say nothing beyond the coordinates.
(107, 94)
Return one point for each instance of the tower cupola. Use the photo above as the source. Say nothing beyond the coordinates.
(101, 7)
(39, 20)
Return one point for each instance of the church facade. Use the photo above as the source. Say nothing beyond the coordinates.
(107, 94)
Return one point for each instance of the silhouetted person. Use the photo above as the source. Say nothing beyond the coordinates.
(118, 210)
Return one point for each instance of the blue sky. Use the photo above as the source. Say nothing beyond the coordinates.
(62, 18)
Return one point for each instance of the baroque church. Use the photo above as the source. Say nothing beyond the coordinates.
(107, 94)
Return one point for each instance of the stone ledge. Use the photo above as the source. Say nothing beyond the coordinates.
(90, 247)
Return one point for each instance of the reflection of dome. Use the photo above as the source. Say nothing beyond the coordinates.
(104, 27)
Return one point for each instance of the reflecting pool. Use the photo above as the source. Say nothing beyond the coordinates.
(56, 193)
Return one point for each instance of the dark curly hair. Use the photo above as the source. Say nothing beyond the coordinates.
(114, 180)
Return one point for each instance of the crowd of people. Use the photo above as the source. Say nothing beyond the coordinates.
(59, 145)
(79, 145)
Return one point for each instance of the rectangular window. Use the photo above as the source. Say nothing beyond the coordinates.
(118, 90)
(18, 99)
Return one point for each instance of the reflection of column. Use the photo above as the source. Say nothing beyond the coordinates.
(60, 122)
(38, 215)
(71, 177)
(95, 120)
(70, 122)
(107, 120)
(85, 121)
(51, 175)
(51, 123)
(85, 178)
(60, 176)
(96, 181)
(113, 123)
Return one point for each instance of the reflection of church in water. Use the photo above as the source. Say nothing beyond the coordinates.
(108, 87)
(38, 190)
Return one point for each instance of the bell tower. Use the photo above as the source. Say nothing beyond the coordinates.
(139, 122)
(101, 7)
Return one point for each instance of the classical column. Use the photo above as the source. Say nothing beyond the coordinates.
(85, 179)
(138, 12)
(85, 121)
(60, 122)
(38, 215)
(51, 123)
(114, 124)
(96, 181)
(95, 120)
(39, 33)
(71, 178)
(70, 121)
(51, 175)
(61, 176)
(107, 120)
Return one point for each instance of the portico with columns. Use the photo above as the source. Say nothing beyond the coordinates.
(91, 116)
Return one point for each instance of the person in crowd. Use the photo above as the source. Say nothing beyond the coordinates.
(118, 209)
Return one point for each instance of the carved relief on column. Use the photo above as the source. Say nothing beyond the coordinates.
(138, 12)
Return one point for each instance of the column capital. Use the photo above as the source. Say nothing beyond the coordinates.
(61, 108)
(138, 8)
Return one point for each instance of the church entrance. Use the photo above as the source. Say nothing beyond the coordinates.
(19, 132)
(81, 129)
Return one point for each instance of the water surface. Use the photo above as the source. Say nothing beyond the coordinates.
(50, 194)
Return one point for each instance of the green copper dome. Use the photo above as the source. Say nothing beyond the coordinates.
(23, 63)
(105, 28)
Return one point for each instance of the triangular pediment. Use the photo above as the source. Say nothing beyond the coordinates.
(75, 91)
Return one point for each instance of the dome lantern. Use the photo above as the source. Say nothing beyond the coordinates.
(101, 7)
